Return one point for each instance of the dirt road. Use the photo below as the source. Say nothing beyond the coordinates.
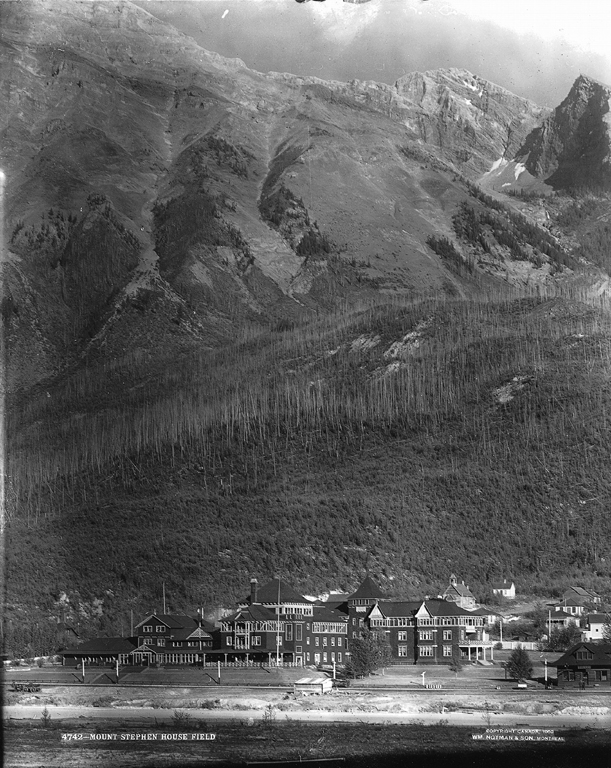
(151, 715)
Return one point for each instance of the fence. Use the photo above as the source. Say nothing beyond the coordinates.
(511, 645)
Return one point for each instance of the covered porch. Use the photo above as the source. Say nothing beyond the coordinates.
(476, 650)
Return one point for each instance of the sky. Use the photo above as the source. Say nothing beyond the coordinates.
(535, 48)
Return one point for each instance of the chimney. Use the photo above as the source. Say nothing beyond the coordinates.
(254, 590)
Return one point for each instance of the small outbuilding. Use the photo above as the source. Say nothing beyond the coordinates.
(313, 685)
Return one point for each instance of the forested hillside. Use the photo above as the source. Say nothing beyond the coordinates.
(412, 439)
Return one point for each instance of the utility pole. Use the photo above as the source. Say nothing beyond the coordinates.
(549, 625)
(164, 598)
(278, 629)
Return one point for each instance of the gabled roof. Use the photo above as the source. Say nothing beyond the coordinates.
(335, 606)
(562, 615)
(171, 620)
(461, 589)
(276, 591)
(482, 611)
(325, 613)
(254, 612)
(598, 618)
(601, 653)
(502, 584)
(581, 591)
(438, 607)
(102, 645)
(399, 608)
(367, 589)
(574, 601)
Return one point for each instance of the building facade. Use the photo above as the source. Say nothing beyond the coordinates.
(169, 639)
(585, 665)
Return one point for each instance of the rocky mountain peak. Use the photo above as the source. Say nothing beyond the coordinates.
(472, 120)
(572, 148)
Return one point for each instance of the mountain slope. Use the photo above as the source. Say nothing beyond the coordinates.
(418, 440)
(237, 305)
(299, 193)
(572, 148)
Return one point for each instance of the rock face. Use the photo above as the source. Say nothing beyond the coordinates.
(473, 122)
(157, 194)
(572, 148)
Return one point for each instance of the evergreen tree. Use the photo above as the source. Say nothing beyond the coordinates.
(367, 653)
(519, 664)
(607, 629)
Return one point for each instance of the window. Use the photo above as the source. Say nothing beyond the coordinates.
(176, 644)
(298, 649)
(161, 641)
(159, 628)
(601, 675)
(307, 657)
(317, 658)
(147, 628)
(289, 631)
(339, 642)
(403, 650)
(324, 641)
(447, 650)
(255, 640)
(333, 657)
(324, 657)
(317, 641)
(307, 627)
(426, 634)
(298, 631)
(426, 650)
(339, 658)
(584, 655)
(353, 622)
(447, 634)
(279, 640)
(230, 640)
(307, 640)
(402, 636)
(332, 641)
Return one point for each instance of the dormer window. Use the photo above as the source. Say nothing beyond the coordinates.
(147, 628)
(159, 628)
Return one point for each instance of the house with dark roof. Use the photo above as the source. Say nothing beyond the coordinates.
(460, 594)
(100, 652)
(576, 606)
(432, 631)
(585, 665)
(588, 595)
(593, 625)
(275, 624)
(173, 639)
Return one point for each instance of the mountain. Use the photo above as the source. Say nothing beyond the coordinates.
(572, 148)
(258, 323)
(289, 194)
